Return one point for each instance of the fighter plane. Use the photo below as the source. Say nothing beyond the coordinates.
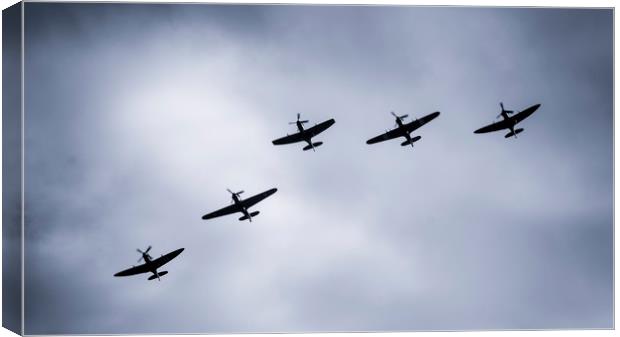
(305, 135)
(240, 205)
(509, 122)
(403, 130)
(150, 265)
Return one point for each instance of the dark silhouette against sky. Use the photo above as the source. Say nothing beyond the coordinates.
(138, 117)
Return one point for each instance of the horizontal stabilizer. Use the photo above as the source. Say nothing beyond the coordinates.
(253, 214)
(317, 144)
(510, 134)
(161, 273)
(413, 140)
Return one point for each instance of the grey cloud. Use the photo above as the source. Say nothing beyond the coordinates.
(139, 117)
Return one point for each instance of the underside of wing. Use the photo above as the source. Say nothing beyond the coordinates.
(525, 113)
(416, 124)
(162, 260)
(134, 270)
(315, 130)
(494, 127)
(220, 212)
(249, 202)
(294, 138)
(395, 133)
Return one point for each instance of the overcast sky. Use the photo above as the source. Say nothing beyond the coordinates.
(138, 117)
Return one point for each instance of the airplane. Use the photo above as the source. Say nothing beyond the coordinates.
(305, 135)
(150, 265)
(403, 130)
(509, 122)
(240, 205)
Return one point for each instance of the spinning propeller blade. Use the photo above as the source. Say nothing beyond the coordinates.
(146, 252)
(398, 118)
(501, 104)
(298, 121)
(234, 193)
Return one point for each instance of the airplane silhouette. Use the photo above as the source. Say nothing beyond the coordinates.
(509, 122)
(150, 265)
(403, 130)
(305, 135)
(241, 205)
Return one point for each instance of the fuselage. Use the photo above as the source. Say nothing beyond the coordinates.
(300, 126)
(244, 210)
(302, 131)
(402, 129)
(147, 260)
(511, 122)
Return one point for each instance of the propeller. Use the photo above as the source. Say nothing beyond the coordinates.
(501, 104)
(299, 116)
(400, 118)
(146, 252)
(235, 193)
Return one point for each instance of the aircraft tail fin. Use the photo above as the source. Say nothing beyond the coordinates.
(413, 140)
(510, 134)
(154, 276)
(253, 214)
(317, 144)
